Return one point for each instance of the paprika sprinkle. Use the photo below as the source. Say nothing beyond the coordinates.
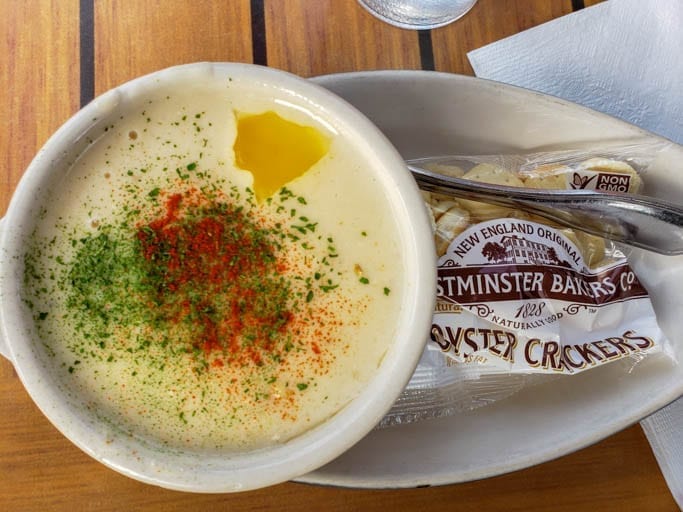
(213, 268)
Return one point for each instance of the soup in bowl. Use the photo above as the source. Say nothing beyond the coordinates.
(216, 277)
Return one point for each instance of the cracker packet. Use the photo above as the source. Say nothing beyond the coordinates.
(521, 299)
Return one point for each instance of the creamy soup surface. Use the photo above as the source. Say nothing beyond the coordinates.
(190, 310)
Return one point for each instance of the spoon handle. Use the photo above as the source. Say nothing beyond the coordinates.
(636, 220)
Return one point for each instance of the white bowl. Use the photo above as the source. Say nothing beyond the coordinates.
(427, 113)
(187, 469)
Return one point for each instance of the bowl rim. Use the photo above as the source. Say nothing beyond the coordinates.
(314, 447)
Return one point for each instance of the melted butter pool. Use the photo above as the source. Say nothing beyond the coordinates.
(275, 150)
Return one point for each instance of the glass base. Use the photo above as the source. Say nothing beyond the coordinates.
(418, 14)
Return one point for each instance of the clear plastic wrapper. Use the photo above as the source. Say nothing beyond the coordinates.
(520, 299)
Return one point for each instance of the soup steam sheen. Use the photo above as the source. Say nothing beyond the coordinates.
(197, 295)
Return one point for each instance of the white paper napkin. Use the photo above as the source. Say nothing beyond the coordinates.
(624, 58)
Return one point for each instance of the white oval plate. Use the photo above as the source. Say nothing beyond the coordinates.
(428, 113)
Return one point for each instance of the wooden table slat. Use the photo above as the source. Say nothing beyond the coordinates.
(331, 36)
(38, 78)
(136, 38)
(487, 22)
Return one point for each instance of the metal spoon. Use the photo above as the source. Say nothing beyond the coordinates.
(635, 220)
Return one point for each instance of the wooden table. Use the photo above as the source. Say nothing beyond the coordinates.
(57, 54)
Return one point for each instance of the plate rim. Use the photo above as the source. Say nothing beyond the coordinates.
(440, 478)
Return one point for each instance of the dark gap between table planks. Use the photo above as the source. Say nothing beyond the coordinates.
(87, 51)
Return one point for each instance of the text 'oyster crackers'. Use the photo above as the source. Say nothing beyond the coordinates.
(517, 292)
